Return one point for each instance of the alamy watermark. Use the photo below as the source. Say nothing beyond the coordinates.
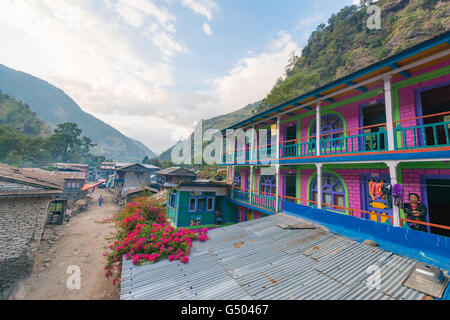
(238, 146)
(374, 279)
(374, 12)
(74, 280)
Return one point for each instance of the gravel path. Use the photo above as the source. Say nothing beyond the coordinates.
(81, 243)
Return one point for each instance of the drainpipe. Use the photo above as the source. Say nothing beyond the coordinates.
(389, 112)
(319, 185)
(394, 180)
(318, 128)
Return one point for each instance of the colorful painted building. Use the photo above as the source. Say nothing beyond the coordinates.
(331, 148)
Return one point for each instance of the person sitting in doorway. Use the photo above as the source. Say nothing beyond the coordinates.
(416, 211)
(219, 219)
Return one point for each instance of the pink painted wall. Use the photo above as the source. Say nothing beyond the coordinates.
(352, 178)
(350, 112)
(412, 179)
(407, 102)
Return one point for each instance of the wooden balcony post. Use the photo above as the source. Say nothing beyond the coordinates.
(250, 187)
(319, 185)
(389, 112)
(277, 190)
(394, 180)
(232, 181)
(318, 128)
(278, 137)
(252, 146)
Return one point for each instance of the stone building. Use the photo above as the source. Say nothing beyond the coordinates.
(171, 177)
(24, 200)
(133, 176)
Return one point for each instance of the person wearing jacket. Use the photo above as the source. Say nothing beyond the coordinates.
(416, 211)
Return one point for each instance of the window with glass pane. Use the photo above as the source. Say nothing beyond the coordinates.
(237, 179)
(331, 126)
(192, 204)
(333, 192)
(210, 204)
(268, 185)
(201, 205)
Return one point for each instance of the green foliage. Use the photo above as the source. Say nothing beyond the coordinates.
(345, 44)
(26, 141)
(20, 117)
(54, 107)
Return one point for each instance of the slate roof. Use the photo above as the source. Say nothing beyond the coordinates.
(176, 171)
(66, 175)
(45, 183)
(259, 260)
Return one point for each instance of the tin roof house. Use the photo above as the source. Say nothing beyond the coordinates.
(200, 204)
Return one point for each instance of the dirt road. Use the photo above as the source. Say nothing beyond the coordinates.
(81, 243)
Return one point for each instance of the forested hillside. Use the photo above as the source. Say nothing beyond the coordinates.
(346, 44)
(20, 117)
(219, 122)
(53, 106)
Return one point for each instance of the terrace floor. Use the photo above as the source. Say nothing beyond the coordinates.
(259, 260)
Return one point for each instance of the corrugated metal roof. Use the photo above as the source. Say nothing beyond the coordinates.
(258, 260)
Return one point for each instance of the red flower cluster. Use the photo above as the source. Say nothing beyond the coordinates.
(145, 236)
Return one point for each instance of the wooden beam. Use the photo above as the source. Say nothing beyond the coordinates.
(405, 73)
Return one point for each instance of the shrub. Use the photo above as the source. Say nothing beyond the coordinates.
(146, 236)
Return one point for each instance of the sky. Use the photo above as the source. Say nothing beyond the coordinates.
(152, 68)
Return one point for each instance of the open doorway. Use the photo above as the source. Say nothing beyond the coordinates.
(290, 136)
(436, 102)
(290, 185)
(437, 191)
(372, 115)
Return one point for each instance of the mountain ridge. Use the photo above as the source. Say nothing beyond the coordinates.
(54, 106)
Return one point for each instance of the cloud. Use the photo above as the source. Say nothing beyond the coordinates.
(110, 58)
(250, 80)
(202, 7)
(115, 59)
(207, 29)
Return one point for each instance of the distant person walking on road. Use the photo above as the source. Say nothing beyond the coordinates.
(100, 200)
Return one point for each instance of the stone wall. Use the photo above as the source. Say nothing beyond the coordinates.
(135, 180)
(21, 225)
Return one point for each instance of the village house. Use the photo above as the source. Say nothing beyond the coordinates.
(334, 174)
(107, 169)
(72, 167)
(199, 203)
(132, 177)
(24, 202)
(171, 177)
(73, 183)
(333, 147)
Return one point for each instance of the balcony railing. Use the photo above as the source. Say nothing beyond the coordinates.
(408, 135)
(258, 199)
(420, 136)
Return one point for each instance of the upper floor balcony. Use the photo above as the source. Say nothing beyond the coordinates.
(430, 133)
(395, 109)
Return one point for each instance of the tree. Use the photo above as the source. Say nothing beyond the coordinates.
(66, 141)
